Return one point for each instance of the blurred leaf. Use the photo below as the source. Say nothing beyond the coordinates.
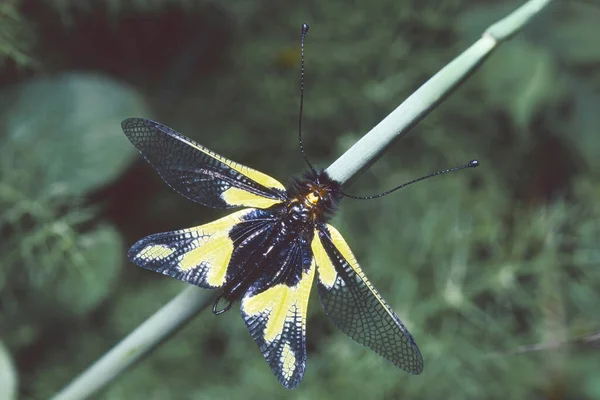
(584, 129)
(81, 290)
(570, 38)
(69, 126)
(16, 37)
(57, 273)
(521, 77)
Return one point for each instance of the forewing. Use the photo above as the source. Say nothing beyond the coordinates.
(276, 319)
(198, 255)
(199, 174)
(354, 305)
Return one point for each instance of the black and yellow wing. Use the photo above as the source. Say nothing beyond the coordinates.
(354, 305)
(199, 174)
(276, 317)
(198, 255)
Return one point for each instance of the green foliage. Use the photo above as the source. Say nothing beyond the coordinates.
(537, 87)
(69, 9)
(77, 117)
(57, 261)
(16, 37)
(477, 264)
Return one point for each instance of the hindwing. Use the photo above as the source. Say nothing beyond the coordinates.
(199, 255)
(354, 305)
(276, 316)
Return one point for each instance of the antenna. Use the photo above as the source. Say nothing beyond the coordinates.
(470, 164)
(304, 32)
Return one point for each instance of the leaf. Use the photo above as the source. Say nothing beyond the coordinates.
(522, 78)
(572, 38)
(67, 129)
(79, 290)
(71, 274)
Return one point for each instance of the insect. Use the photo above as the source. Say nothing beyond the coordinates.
(268, 254)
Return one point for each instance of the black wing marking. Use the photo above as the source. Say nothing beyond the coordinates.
(199, 174)
(357, 309)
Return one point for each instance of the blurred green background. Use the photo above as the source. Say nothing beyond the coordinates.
(478, 264)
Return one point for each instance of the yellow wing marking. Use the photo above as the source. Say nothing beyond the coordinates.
(216, 252)
(279, 302)
(287, 361)
(239, 197)
(215, 248)
(327, 274)
(155, 252)
(344, 249)
(253, 174)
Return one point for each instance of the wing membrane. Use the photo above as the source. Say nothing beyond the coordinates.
(199, 174)
(358, 310)
(276, 319)
(198, 255)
